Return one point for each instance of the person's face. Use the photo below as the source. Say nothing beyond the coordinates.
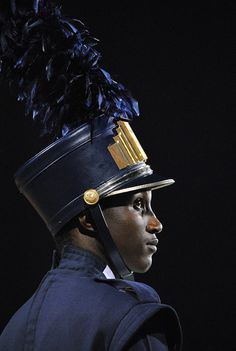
(133, 226)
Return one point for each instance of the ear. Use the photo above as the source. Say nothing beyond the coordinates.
(85, 222)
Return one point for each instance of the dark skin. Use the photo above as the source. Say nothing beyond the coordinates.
(133, 227)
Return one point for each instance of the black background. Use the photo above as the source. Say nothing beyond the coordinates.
(177, 61)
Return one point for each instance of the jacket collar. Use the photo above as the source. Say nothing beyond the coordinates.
(81, 260)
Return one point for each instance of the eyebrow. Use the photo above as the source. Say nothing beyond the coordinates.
(123, 199)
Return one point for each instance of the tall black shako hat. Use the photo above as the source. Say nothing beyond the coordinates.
(52, 62)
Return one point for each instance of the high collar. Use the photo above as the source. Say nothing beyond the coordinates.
(81, 260)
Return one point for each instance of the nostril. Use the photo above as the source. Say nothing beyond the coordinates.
(154, 226)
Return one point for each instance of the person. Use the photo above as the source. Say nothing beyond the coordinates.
(92, 187)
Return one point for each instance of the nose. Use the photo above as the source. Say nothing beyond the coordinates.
(154, 225)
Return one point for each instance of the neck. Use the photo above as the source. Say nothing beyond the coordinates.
(88, 243)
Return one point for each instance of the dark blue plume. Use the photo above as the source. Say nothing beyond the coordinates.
(52, 62)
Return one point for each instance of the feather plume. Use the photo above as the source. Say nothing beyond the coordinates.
(51, 62)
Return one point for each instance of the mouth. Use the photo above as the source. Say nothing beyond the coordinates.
(152, 244)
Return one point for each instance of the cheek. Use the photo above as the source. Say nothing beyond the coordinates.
(118, 217)
(129, 238)
(128, 226)
(127, 229)
(124, 224)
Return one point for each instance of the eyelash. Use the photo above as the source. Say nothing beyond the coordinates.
(137, 206)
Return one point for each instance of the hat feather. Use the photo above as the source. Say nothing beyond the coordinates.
(52, 63)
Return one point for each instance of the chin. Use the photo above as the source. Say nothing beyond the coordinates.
(142, 266)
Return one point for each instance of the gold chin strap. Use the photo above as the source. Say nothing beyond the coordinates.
(126, 150)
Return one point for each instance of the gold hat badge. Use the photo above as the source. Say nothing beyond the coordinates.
(126, 150)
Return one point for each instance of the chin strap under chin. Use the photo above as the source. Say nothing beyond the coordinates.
(110, 248)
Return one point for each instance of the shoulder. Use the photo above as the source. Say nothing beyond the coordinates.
(141, 310)
(138, 292)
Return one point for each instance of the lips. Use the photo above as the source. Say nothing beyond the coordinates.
(152, 245)
(153, 242)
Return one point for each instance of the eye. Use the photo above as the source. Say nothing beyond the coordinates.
(139, 204)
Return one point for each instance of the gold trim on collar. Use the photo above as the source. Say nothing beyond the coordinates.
(126, 150)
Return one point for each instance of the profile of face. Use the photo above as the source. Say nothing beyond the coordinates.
(133, 227)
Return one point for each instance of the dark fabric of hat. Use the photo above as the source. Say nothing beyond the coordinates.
(55, 180)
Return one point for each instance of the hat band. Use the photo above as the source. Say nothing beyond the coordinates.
(118, 181)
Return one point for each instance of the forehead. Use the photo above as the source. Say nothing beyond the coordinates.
(126, 198)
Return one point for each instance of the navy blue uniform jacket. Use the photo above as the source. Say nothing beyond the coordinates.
(77, 308)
